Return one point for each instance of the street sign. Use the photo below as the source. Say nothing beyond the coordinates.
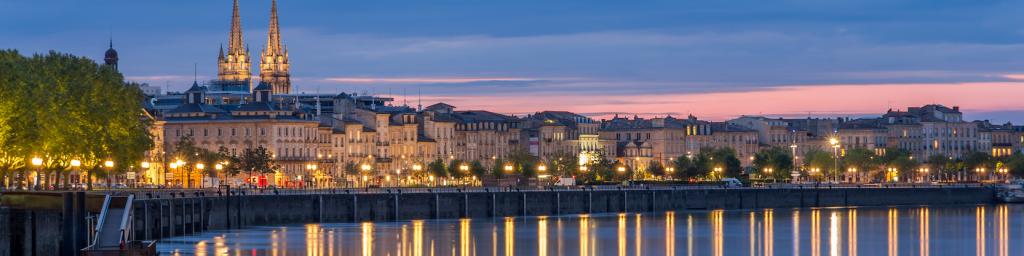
(131, 175)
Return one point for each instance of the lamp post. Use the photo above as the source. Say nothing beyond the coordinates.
(75, 164)
(835, 154)
(365, 168)
(200, 167)
(110, 166)
(794, 173)
(37, 162)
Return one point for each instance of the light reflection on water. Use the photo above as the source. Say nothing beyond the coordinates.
(831, 231)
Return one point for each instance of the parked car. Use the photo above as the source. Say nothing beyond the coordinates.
(732, 182)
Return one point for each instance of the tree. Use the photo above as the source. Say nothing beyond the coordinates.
(351, 169)
(978, 160)
(899, 160)
(498, 169)
(817, 162)
(655, 168)
(599, 168)
(563, 164)
(725, 158)
(257, 160)
(60, 107)
(477, 169)
(455, 169)
(942, 164)
(1015, 164)
(437, 168)
(776, 159)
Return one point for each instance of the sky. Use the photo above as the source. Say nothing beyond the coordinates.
(713, 59)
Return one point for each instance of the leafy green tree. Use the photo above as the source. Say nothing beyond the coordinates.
(60, 107)
(437, 168)
(498, 168)
(351, 169)
(691, 167)
(655, 168)
(776, 159)
(477, 169)
(563, 164)
(978, 160)
(1015, 164)
(454, 170)
(817, 162)
(257, 160)
(600, 168)
(725, 158)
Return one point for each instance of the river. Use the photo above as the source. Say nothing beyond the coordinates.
(946, 230)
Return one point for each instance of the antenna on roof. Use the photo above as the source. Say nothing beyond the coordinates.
(419, 96)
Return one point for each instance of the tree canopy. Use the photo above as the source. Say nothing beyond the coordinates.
(61, 107)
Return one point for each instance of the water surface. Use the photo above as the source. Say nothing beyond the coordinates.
(961, 230)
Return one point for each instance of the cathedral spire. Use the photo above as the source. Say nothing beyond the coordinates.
(273, 33)
(235, 43)
(274, 66)
(234, 67)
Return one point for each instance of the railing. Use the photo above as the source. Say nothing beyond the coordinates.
(388, 190)
(125, 223)
(96, 234)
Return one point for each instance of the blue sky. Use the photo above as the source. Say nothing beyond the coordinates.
(585, 56)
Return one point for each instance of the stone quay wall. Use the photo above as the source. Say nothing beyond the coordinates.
(168, 217)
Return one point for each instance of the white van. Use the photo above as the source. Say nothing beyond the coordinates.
(732, 182)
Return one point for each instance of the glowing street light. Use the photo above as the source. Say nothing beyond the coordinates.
(364, 167)
(621, 169)
(200, 166)
(509, 168)
(218, 167)
(464, 167)
(851, 169)
(417, 167)
(37, 161)
(542, 168)
(670, 169)
(108, 164)
(583, 168)
(76, 163)
(144, 164)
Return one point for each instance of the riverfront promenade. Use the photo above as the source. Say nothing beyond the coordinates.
(159, 215)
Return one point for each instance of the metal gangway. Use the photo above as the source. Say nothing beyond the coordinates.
(113, 230)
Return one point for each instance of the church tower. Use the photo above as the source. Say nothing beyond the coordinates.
(235, 66)
(274, 62)
(110, 57)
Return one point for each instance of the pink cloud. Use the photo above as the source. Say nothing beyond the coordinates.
(421, 80)
(785, 100)
(1014, 76)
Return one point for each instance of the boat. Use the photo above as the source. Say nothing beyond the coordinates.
(1011, 193)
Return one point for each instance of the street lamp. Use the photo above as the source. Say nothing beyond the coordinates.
(542, 168)
(835, 153)
(37, 162)
(200, 167)
(621, 169)
(509, 168)
(417, 167)
(583, 168)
